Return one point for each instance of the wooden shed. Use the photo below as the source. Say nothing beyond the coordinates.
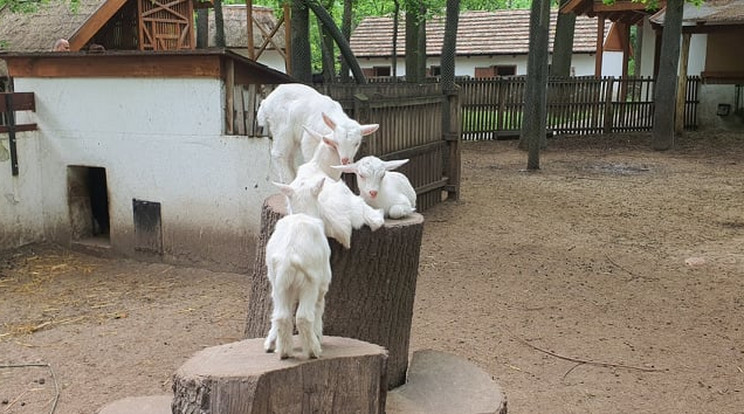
(140, 153)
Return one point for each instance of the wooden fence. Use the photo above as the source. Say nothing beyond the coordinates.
(493, 108)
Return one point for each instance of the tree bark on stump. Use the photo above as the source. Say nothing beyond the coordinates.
(372, 290)
(240, 378)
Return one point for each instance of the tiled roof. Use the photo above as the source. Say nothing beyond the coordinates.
(711, 12)
(478, 33)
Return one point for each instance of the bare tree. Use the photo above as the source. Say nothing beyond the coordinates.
(346, 31)
(300, 41)
(219, 24)
(535, 101)
(666, 81)
(202, 28)
(415, 41)
(396, 19)
(449, 45)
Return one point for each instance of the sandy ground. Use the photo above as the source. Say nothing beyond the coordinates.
(608, 282)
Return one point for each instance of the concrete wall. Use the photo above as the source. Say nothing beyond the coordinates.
(159, 140)
(710, 97)
(583, 64)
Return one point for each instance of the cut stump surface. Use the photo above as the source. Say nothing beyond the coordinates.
(240, 378)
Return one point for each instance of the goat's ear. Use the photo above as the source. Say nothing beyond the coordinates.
(370, 128)
(391, 165)
(285, 189)
(330, 142)
(349, 168)
(317, 187)
(317, 136)
(328, 121)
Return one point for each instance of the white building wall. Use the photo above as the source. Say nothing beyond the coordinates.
(159, 140)
(711, 96)
(21, 200)
(583, 64)
(695, 62)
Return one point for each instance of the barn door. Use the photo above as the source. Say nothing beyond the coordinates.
(166, 25)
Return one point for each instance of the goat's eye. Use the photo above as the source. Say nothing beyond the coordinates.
(362, 176)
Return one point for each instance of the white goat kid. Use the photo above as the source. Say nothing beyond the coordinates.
(292, 105)
(340, 209)
(382, 188)
(299, 270)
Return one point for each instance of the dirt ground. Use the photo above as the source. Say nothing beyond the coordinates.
(611, 281)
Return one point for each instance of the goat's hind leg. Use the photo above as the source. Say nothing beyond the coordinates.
(306, 324)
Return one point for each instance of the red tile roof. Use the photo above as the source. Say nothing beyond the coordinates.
(501, 32)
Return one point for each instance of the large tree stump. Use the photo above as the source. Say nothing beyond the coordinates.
(240, 378)
(372, 290)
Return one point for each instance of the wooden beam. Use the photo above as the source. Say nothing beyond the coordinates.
(600, 45)
(94, 23)
(138, 66)
(249, 29)
(22, 101)
(619, 6)
(229, 96)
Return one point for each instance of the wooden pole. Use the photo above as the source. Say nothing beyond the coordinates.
(679, 121)
(600, 45)
(229, 96)
(287, 38)
(249, 29)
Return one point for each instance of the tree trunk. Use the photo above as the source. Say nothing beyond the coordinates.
(202, 28)
(447, 64)
(415, 38)
(346, 31)
(563, 44)
(666, 83)
(535, 100)
(300, 42)
(396, 26)
(219, 24)
(372, 291)
(343, 45)
(327, 51)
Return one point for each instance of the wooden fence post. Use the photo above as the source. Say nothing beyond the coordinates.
(361, 115)
(451, 131)
(608, 107)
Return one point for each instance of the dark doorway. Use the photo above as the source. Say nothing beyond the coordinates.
(88, 199)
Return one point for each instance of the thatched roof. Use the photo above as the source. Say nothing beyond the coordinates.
(236, 21)
(37, 31)
(478, 33)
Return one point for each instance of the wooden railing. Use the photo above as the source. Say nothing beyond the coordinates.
(10, 103)
(493, 108)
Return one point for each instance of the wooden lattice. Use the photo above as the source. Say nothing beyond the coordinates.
(166, 25)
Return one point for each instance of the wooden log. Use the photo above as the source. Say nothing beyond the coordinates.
(240, 378)
(372, 290)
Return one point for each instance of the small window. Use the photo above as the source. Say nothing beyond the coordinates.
(505, 70)
(484, 72)
(435, 71)
(381, 70)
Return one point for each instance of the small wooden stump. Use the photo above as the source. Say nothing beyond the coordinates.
(240, 378)
(372, 290)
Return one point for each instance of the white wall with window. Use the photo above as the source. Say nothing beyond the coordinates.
(581, 65)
